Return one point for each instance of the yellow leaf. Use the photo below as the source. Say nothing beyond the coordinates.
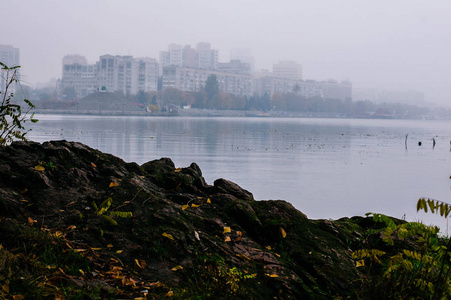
(71, 227)
(208, 200)
(277, 254)
(81, 271)
(194, 205)
(178, 170)
(282, 232)
(243, 257)
(31, 221)
(227, 230)
(80, 250)
(360, 263)
(5, 287)
(18, 297)
(227, 239)
(138, 263)
(268, 248)
(96, 249)
(113, 184)
(93, 164)
(239, 233)
(24, 191)
(272, 275)
(109, 246)
(170, 294)
(39, 168)
(185, 206)
(176, 268)
(119, 251)
(168, 236)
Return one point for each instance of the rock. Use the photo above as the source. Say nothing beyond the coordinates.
(171, 217)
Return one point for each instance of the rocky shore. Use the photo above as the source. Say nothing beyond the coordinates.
(76, 221)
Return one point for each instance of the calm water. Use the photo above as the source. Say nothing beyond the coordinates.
(327, 168)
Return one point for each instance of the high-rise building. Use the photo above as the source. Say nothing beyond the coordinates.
(77, 75)
(288, 70)
(207, 58)
(9, 56)
(244, 55)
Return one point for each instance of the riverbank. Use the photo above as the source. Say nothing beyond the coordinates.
(91, 223)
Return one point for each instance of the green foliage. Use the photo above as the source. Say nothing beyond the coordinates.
(12, 116)
(415, 261)
(106, 215)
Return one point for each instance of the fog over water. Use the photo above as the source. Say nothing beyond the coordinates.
(395, 45)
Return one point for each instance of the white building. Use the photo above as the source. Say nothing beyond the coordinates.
(10, 57)
(77, 74)
(288, 70)
(194, 80)
(148, 72)
(244, 55)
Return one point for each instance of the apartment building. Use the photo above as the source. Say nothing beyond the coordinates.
(288, 69)
(78, 74)
(10, 57)
(193, 80)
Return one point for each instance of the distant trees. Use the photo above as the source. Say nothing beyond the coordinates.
(211, 86)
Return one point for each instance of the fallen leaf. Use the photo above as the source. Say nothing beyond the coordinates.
(227, 230)
(109, 246)
(239, 233)
(178, 170)
(31, 221)
(39, 168)
(5, 287)
(185, 206)
(24, 191)
(176, 268)
(96, 249)
(71, 227)
(227, 239)
(360, 263)
(81, 272)
(208, 200)
(238, 239)
(243, 257)
(196, 235)
(138, 263)
(194, 205)
(272, 275)
(268, 248)
(282, 232)
(170, 294)
(167, 235)
(113, 184)
(119, 251)
(93, 164)
(18, 297)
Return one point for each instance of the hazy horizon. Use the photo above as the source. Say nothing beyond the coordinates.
(393, 45)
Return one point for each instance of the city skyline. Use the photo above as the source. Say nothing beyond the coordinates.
(383, 45)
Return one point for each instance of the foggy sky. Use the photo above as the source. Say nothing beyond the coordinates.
(387, 44)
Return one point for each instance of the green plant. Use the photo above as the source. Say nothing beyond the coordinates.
(12, 116)
(411, 262)
(103, 212)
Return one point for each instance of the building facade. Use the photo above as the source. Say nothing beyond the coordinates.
(77, 74)
(288, 70)
(10, 57)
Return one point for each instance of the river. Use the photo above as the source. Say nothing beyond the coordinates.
(327, 168)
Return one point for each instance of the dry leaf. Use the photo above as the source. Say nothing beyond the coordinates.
(18, 297)
(268, 248)
(93, 164)
(282, 232)
(170, 294)
(272, 275)
(31, 221)
(196, 235)
(243, 257)
(227, 230)
(39, 168)
(227, 239)
(113, 184)
(208, 200)
(5, 287)
(177, 170)
(185, 206)
(119, 251)
(194, 205)
(176, 268)
(71, 227)
(139, 263)
(360, 263)
(168, 236)
(239, 233)
(109, 246)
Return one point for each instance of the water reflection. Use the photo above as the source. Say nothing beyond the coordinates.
(328, 168)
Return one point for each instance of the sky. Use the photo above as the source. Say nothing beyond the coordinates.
(393, 45)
